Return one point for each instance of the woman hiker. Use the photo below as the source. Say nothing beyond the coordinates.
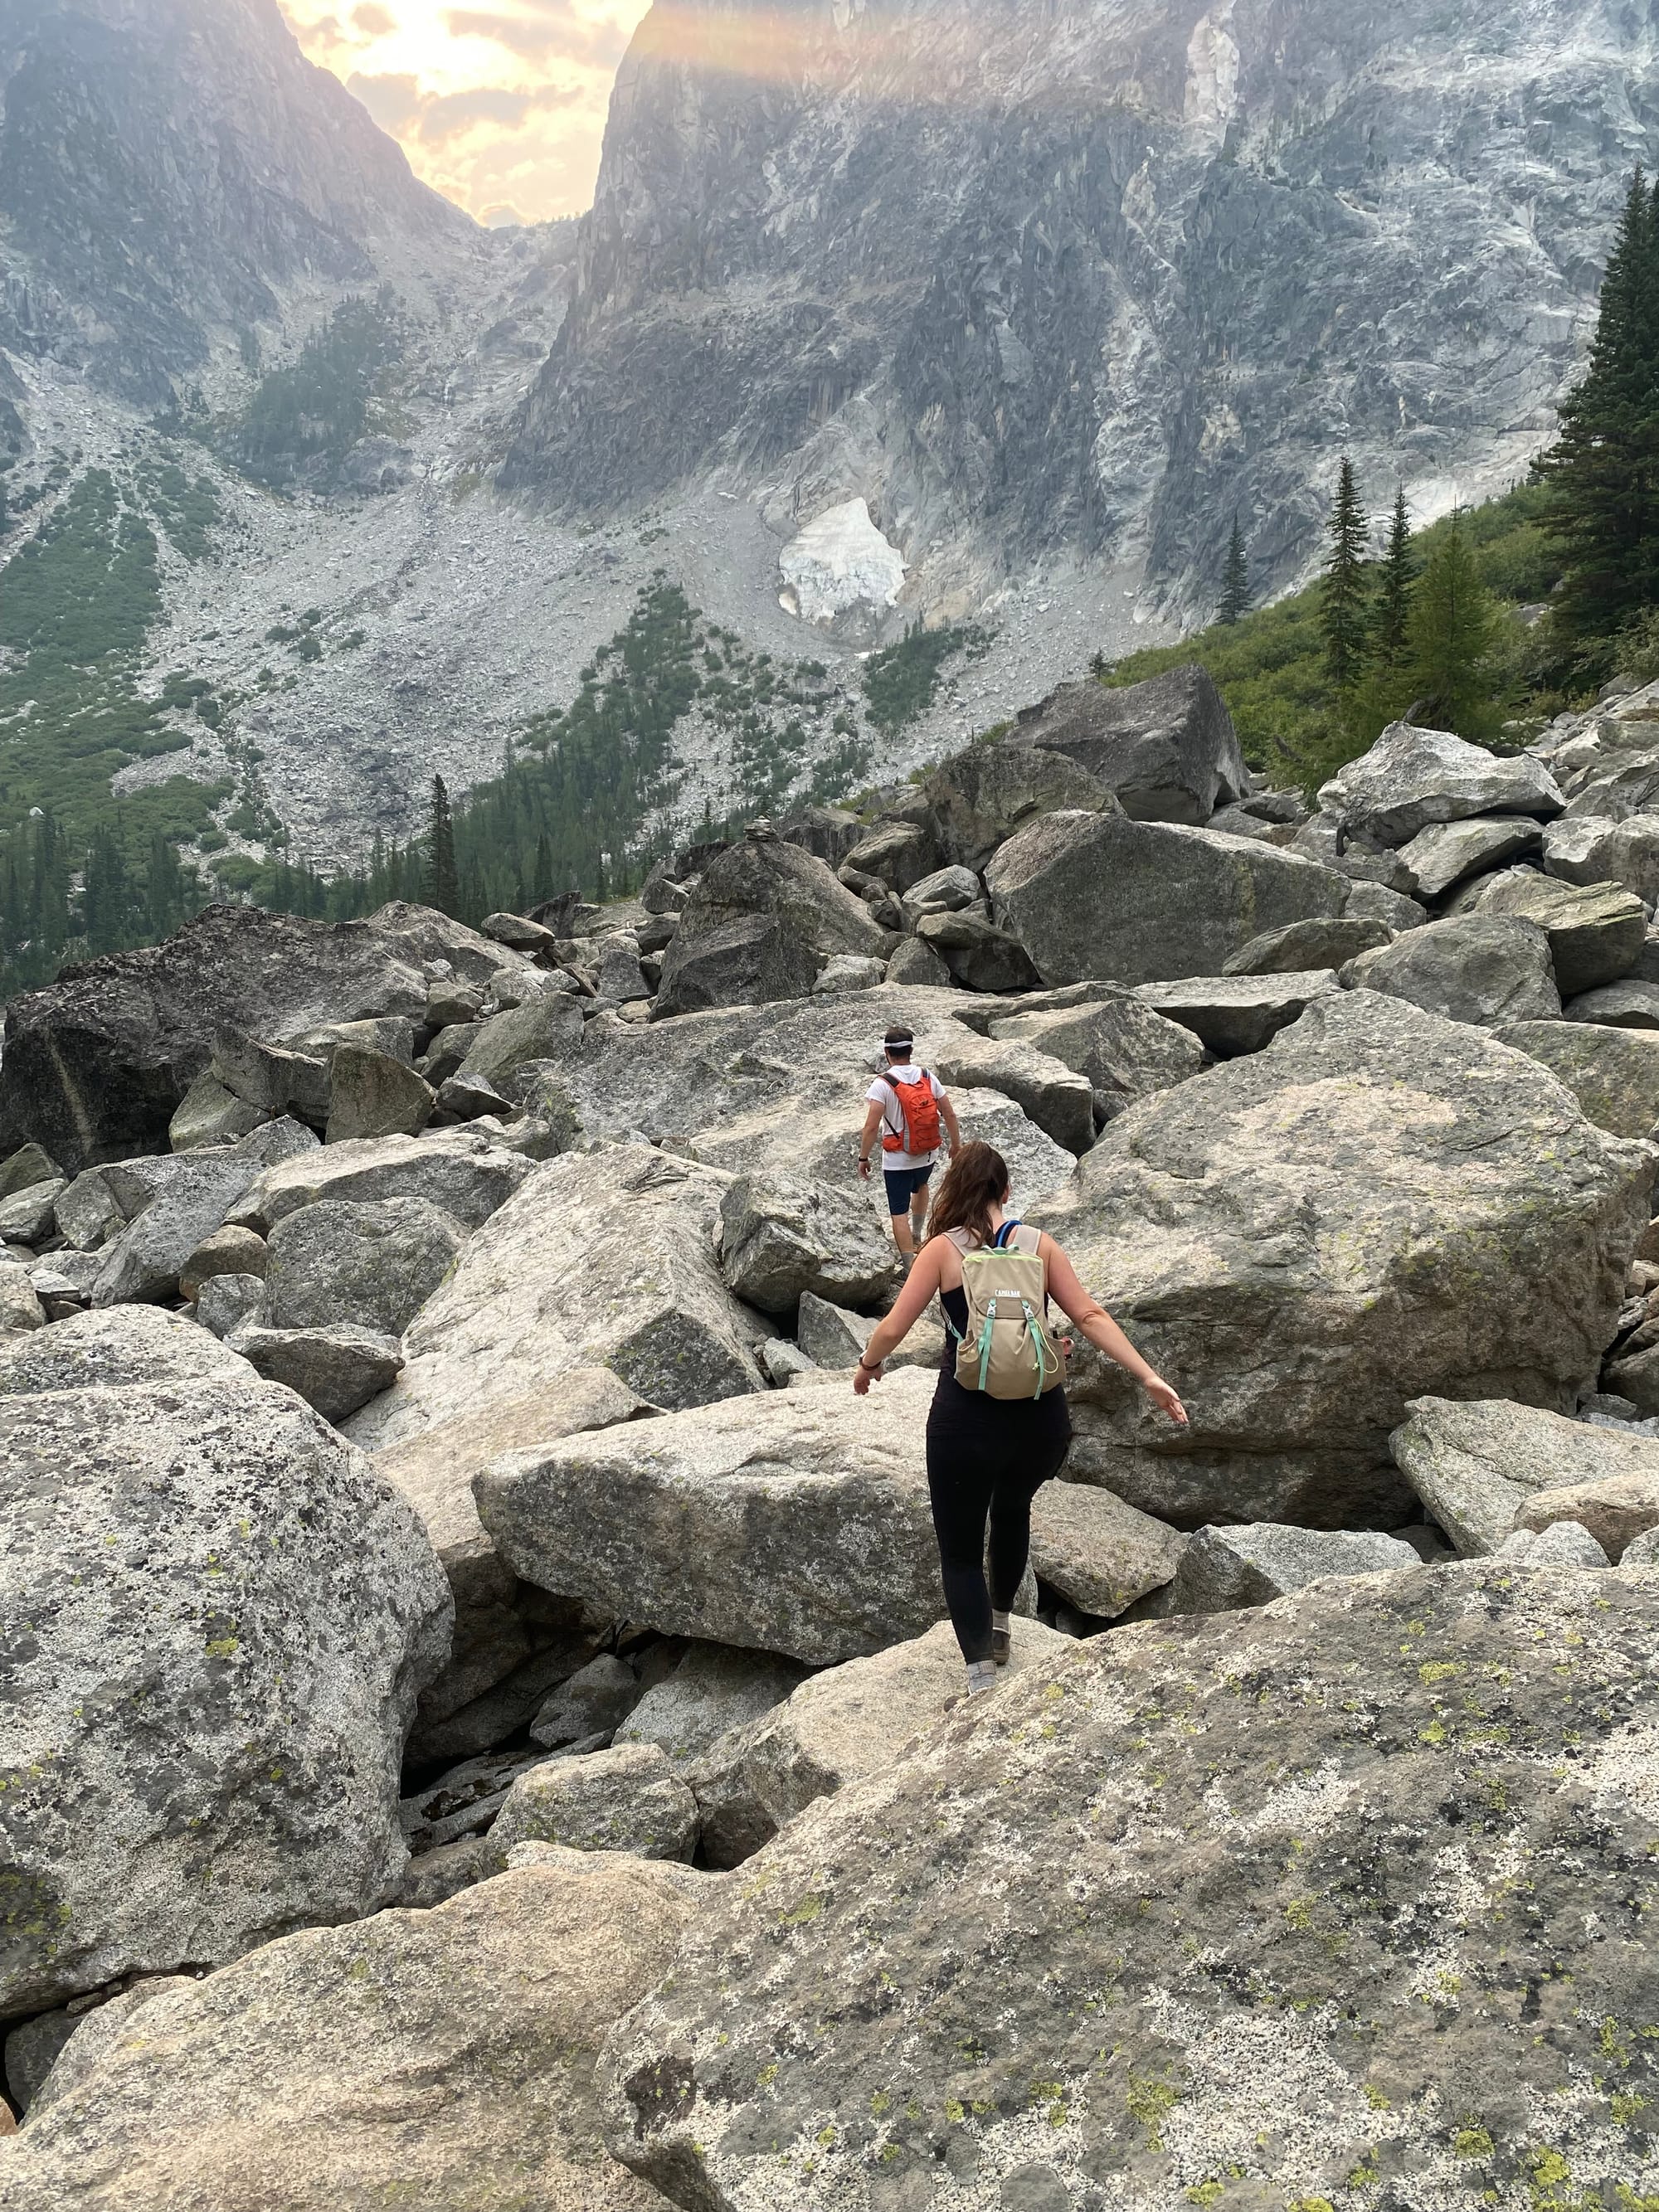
(988, 1456)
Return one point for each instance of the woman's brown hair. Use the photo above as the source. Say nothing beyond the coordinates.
(975, 1180)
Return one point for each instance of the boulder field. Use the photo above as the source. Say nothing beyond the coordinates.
(480, 1726)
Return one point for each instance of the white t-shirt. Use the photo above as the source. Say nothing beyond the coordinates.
(881, 1093)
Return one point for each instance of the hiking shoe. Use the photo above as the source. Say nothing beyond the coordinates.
(1000, 1646)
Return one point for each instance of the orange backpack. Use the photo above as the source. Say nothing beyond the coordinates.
(920, 1110)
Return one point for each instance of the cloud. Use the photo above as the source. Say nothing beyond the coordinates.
(499, 104)
(399, 105)
(556, 33)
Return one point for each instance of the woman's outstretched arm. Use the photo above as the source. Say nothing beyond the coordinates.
(913, 1299)
(1091, 1319)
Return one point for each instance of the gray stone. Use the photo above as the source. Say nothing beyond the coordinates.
(781, 1359)
(1563, 1544)
(271, 1078)
(511, 1040)
(1379, 1206)
(30, 1214)
(373, 1265)
(831, 1337)
(1589, 850)
(1097, 895)
(32, 2051)
(448, 1051)
(517, 932)
(504, 1630)
(1166, 748)
(470, 1097)
(21, 1309)
(145, 1260)
(225, 1252)
(336, 1368)
(1596, 931)
(1616, 791)
(451, 1003)
(96, 1064)
(1304, 947)
(618, 975)
(1489, 970)
(712, 1690)
(231, 1621)
(1251, 1788)
(779, 1237)
(840, 1728)
(729, 1522)
(763, 919)
(915, 962)
(848, 971)
(1123, 1048)
(372, 1095)
(461, 1171)
(1234, 1014)
(896, 853)
(1613, 1072)
(979, 798)
(633, 1288)
(947, 891)
(285, 2080)
(1633, 1005)
(595, 1701)
(628, 1799)
(1099, 1554)
(978, 954)
(391, 1036)
(1375, 903)
(1636, 1376)
(1643, 1552)
(1412, 777)
(1447, 853)
(1614, 1508)
(1477, 1464)
(1057, 1098)
(126, 1348)
(1223, 1569)
(26, 1167)
(225, 1302)
(830, 833)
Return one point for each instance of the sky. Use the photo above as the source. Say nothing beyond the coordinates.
(500, 104)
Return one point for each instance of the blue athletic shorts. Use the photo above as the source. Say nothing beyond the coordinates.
(902, 1184)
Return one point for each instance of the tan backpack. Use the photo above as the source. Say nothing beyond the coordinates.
(1008, 1350)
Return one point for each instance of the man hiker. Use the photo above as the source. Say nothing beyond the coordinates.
(906, 1107)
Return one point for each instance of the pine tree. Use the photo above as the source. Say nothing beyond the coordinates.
(1452, 631)
(1604, 469)
(443, 884)
(1234, 579)
(1396, 586)
(1343, 592)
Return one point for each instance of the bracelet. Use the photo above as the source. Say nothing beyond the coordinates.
(876, 1370)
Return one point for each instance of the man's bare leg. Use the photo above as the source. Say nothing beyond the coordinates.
(904, 1236)
(917, 1224)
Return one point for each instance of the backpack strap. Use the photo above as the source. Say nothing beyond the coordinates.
(1015, 1236)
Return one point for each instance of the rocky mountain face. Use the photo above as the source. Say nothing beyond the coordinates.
(168, 167)
(1088, 279)
(475, 1638)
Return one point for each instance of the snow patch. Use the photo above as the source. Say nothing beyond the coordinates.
(1211, 99)
(839, 561)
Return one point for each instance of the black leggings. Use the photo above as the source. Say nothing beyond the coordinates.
(986, 1460)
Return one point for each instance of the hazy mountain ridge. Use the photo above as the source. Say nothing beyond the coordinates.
(168, 166)
(1083, 279)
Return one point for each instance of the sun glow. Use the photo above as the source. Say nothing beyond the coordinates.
(500, 104)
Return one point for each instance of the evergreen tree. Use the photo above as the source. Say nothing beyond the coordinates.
(1234, 579)
(1396, 585)
(1452, 631)
(1343, 592)
(443, 885)
(1604, 469)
